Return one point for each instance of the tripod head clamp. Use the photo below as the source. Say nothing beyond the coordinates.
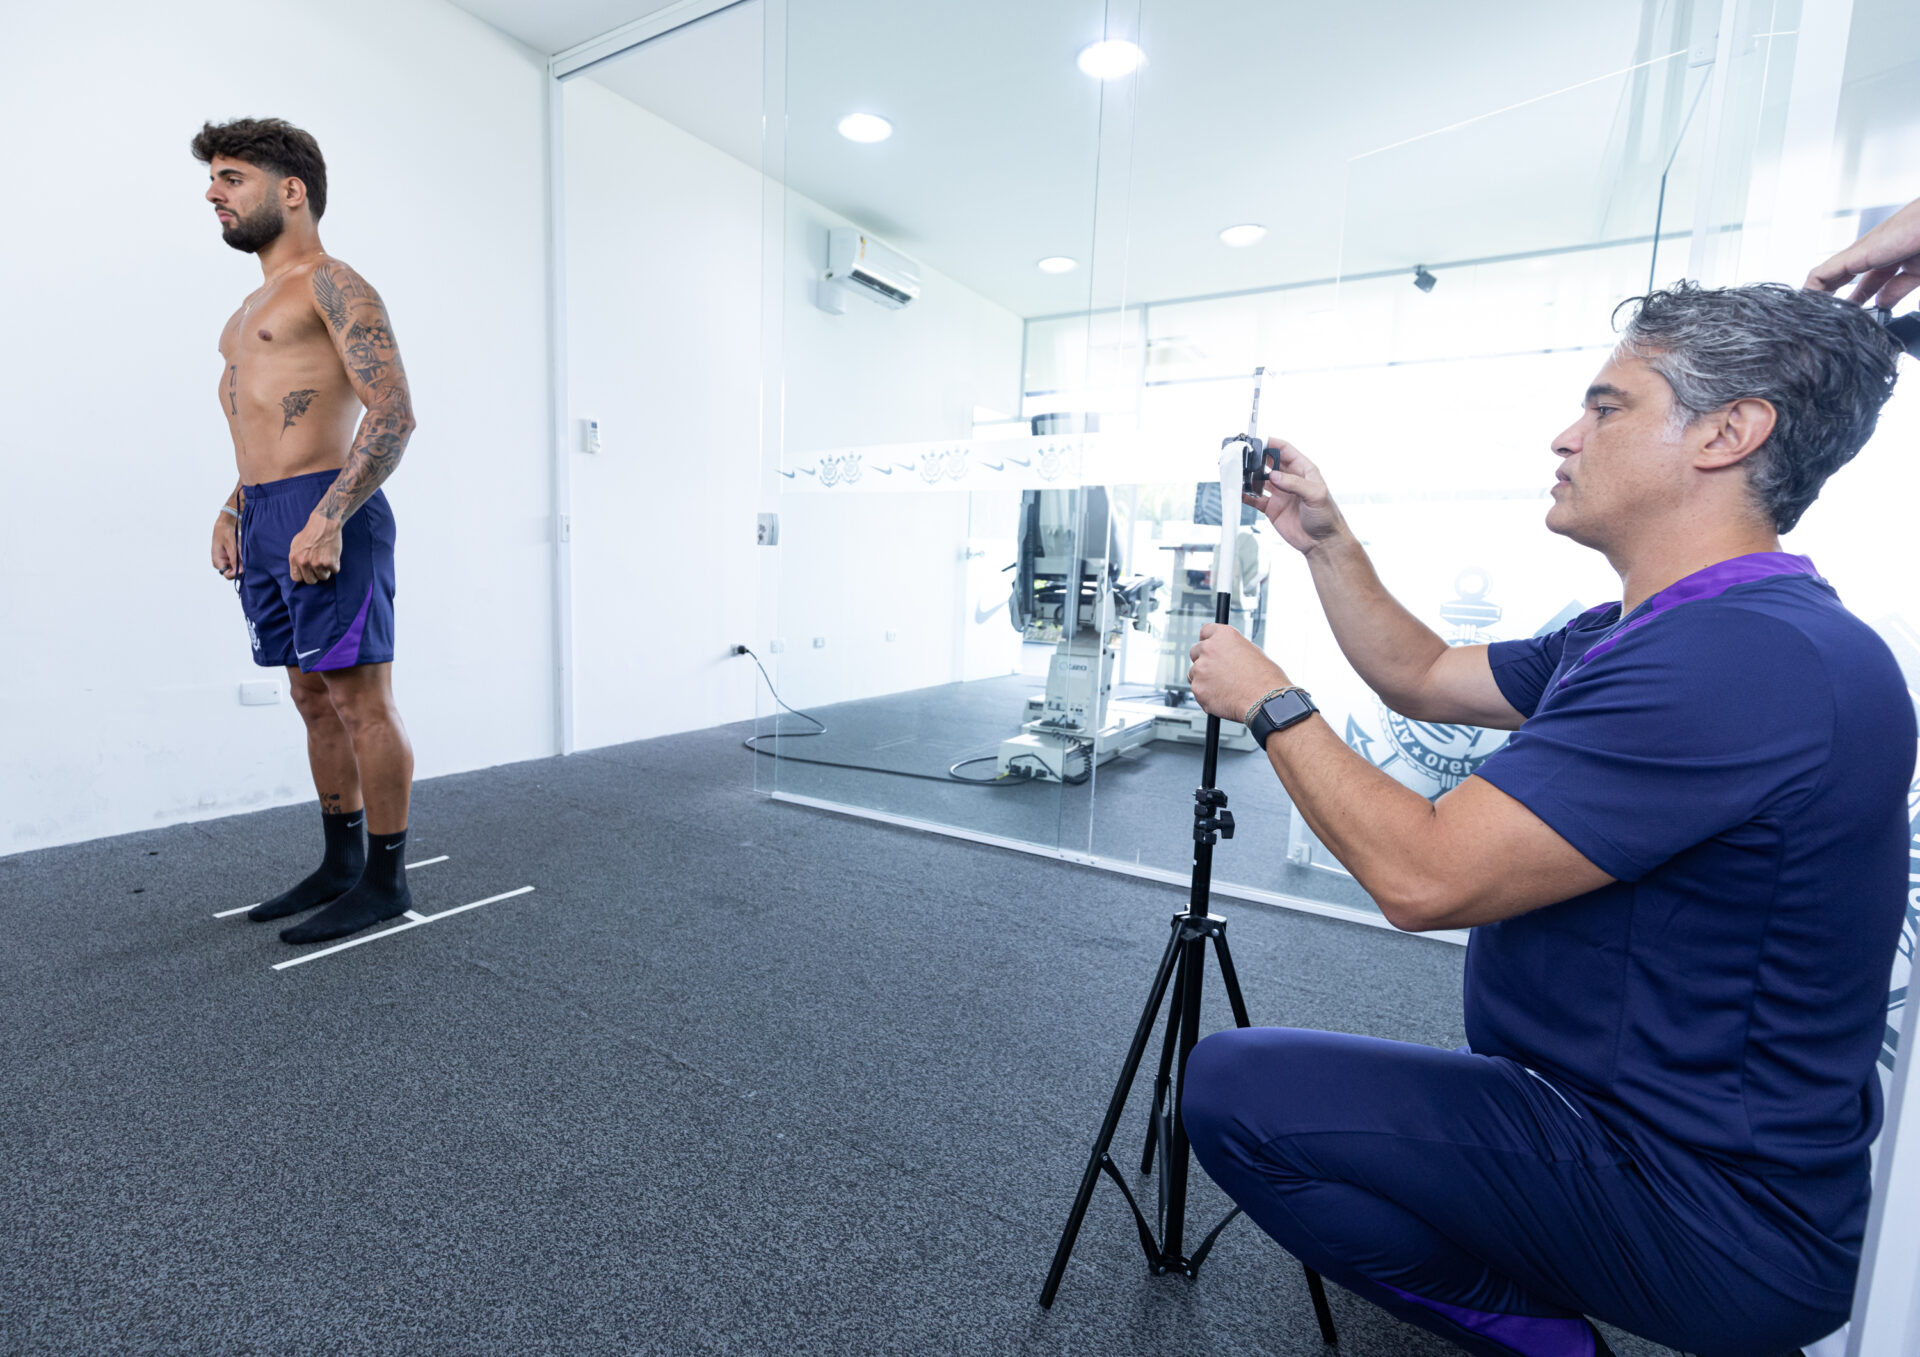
(1212, 821)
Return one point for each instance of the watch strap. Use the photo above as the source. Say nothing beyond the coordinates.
(1263, 724)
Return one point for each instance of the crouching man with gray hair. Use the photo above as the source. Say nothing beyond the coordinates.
(1685, 876)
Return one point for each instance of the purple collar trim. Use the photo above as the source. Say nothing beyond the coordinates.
(1701, 584)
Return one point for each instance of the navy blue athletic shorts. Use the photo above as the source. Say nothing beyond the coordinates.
(337, 624)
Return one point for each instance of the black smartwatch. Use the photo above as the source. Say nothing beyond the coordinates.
(1279, 709)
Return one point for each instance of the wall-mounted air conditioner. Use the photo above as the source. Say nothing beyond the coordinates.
(859, 264)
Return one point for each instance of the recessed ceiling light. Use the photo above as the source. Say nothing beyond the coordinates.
(1058, 263)
(1111, 59)
(1243, 235)
(865, 127)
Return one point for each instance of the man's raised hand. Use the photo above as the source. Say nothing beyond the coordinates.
(1886, 260)
(1297, 502)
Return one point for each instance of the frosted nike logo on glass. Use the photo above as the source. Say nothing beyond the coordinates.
(302, 654)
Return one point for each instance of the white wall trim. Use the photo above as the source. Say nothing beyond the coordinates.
(558, 416)
(561, 67)
(617, 40)
(1250, 894)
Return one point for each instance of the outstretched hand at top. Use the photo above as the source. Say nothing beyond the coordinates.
(1297, 501)
(1886, 260)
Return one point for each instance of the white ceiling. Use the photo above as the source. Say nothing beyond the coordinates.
(550, 26)
(704, 78)
(1247, 110)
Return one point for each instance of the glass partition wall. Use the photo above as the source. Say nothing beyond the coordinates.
(1008, 336)
(931, 160)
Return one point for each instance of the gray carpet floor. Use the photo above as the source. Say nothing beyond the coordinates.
(736, 1077)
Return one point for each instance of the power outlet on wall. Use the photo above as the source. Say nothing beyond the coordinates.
(261, 693)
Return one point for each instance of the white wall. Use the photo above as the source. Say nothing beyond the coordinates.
(664, 325)
(123, 649)
(663, 322)
(857, 566)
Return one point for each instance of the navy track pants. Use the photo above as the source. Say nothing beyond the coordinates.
(1464, 1194)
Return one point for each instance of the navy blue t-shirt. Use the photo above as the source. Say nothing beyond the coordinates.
(1737, 753)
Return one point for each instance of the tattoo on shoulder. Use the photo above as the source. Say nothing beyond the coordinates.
(336, 288)
(293, 405)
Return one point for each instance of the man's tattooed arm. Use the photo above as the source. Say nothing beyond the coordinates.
(336, 289)
(363, 337)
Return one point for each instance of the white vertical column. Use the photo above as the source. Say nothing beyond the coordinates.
(1886, 1303)
(1702, 256)
(1789, 227)
(559, 445)
(772, 356)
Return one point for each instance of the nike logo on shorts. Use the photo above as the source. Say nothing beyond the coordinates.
(302, 654)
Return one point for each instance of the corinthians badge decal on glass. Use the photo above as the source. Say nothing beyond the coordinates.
(840, 470)
(1431, 757)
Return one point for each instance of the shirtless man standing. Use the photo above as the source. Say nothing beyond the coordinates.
(306, 534)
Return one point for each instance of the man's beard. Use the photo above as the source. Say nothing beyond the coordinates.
(253, 234)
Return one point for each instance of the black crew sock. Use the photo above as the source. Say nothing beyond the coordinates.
(381, 894)
(346, 855)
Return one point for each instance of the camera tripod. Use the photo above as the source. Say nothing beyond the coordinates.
(1183, 968)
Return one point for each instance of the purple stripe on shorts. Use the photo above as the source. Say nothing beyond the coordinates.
(1701, 584)
(1529, 1335)
(346, 651)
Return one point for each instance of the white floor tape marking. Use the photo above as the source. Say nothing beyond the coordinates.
(229, 913)
(397, 928)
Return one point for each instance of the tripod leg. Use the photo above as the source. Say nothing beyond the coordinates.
(1231, 978)
(1163, 1082)
(1115, 1106)
(1174, 1170)
(1318, 1290)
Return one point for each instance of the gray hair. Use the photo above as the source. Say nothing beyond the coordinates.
(1825, 366)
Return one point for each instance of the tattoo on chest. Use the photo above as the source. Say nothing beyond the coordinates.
(233, 372)
(293, 405)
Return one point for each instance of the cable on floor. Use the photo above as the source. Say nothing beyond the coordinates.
(1021, 768)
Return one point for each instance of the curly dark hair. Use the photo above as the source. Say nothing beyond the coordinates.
(271, 144)
(1825, 365)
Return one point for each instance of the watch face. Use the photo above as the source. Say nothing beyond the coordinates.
(1287, 708)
